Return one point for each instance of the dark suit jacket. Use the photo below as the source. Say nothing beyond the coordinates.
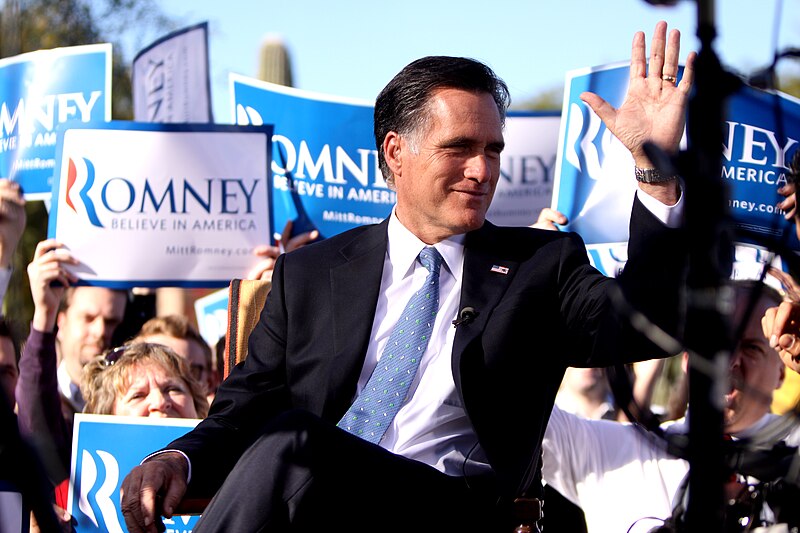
(551, 310)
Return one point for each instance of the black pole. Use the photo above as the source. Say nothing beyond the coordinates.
(708, 334)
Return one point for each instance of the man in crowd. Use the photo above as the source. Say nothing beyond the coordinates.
(623, 478)
(12, 224)
(459, 436)
(9, 360)
(70, 326)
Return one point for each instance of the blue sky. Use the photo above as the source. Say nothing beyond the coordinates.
(353, 47)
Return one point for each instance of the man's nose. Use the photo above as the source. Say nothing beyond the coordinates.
(103, 330)
(479, 168)
(736, 360)
(98, 329)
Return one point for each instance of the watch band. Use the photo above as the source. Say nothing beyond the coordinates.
(650, 175)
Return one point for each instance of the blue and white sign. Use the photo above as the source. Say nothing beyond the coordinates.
(594, 171)
(527, 168)
(212, 315)
(324, 172)
(170, 78)
(156, 205)
(105, 448)
(40, 91)
(761, 134)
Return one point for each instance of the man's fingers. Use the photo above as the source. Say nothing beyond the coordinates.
(139, 497)
(672, 53)
(638, 61)
(172, 498)
(258, 271)
(132, 511)
(45, 246)
(782, 323)
(788, 342)
(265, 250)
(287, 233)
(687, 79)
(657, 47)
(602, 109)
(767, 321)
(548, 218)
(301, 240)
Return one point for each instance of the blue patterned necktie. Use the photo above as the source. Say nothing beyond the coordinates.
(373, 411)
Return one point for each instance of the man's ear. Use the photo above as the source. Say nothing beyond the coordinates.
(392, 152)
(61, 317)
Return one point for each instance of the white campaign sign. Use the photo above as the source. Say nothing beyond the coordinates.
(162, 205)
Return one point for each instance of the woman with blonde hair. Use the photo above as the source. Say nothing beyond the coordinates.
(142, 379)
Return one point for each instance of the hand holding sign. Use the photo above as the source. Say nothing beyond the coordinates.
(263, 270)
(48, 278)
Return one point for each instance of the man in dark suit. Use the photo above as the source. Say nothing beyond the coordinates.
(283, 439)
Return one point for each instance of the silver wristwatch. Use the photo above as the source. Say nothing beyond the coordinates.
(650, 175)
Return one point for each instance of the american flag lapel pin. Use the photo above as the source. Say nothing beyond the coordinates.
(500, 269)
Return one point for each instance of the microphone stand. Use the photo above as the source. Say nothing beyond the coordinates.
(709, 298)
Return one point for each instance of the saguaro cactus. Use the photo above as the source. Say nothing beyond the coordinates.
(275, 64)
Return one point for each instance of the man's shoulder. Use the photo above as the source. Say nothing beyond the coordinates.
(350, 241)
(521, 239)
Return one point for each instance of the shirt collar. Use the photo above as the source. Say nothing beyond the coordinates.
(69, 389)
(404, 247)
(756, 428)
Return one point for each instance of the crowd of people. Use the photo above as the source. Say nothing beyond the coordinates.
(456, 407)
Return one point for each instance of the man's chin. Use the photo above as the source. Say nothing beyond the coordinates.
(472, 220)
(729, 419)
(90, 353)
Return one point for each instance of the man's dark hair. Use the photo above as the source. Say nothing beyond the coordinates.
(179, 327)
(402, 104)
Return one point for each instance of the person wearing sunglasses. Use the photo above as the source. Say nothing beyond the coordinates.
(143, 379)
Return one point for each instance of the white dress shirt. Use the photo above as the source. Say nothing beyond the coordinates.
(69, 389)
(432, 426)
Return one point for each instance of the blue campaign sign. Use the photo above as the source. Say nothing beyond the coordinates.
(105, 449)
(212, 315)
(40, 91)
(324, 171)
(760, 136)
(594, 171)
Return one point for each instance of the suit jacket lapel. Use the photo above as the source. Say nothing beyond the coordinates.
(482, 287)
(355, 282)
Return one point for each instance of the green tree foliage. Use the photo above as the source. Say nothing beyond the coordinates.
(30, 25)
(550, 100)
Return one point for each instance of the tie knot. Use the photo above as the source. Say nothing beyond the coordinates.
(431, 259)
